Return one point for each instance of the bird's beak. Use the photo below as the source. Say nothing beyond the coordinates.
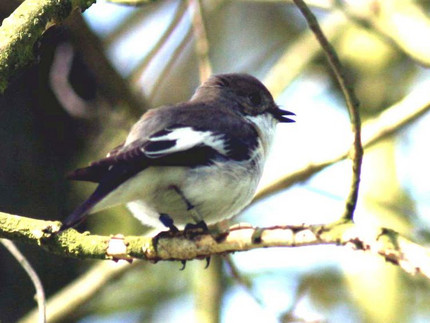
(280, 115)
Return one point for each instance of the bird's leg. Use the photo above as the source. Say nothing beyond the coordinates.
(168, 222)
(193, 212)
(193, 229)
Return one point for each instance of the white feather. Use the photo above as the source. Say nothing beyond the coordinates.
(266, 126)
(187, 138)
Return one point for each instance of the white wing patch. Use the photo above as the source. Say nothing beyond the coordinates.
(186, 138)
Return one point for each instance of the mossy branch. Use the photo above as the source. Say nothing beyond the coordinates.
(20, 32)
(194, 245)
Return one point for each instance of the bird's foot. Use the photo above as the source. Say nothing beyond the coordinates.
(193, 230)
(172, 232)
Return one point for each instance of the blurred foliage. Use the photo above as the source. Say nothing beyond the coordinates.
(43, 136)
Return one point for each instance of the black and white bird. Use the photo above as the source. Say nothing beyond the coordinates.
(195, 162)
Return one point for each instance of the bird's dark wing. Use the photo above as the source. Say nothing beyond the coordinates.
(96, 170)
(176, 145)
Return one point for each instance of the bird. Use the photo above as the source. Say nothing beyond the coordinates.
(196, 162)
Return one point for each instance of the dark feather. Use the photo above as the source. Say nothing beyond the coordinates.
(114, 177)
(240, 149)
(156, 146)
(115, 150)
(88, 174)
(98, 169)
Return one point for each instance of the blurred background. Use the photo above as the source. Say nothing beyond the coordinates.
(98, 72)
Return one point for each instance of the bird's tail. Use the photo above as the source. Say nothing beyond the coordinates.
(107, 183)
(82, 211)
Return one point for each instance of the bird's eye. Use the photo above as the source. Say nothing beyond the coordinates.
(255, 98)
(223, 82)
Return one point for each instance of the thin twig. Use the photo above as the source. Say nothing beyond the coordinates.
(173, 59)
(65, 302)
(141, 67)
(300, 53)
(113, 85)
(394, 34)
(318, 4)
(351, 102)
(201, 43)
(131, 22)
(40, 294)
(367, 24)
(131, 3)
(241, 280)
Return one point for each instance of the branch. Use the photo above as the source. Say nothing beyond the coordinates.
(133, 3)
(300, 53)
(65, 302)
(241, 280)
(394, 24)
(201, 39)
(351, 102)
(20, 32)
(181, 245)
(40, 314)
(139, 70)
(137, 73)
(208, 287)
(114, 87)
(172, 60)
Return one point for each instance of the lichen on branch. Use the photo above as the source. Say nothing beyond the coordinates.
(21, 31)
(184, 245)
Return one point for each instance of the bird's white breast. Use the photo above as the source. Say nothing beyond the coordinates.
(217, 192)
(266, 126)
